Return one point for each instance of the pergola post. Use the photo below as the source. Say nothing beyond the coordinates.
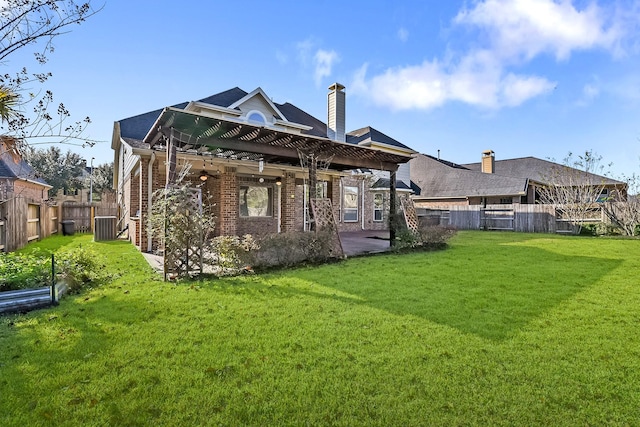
(172, 154)
(392, 209)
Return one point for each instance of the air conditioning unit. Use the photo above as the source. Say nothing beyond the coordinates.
(104, 228)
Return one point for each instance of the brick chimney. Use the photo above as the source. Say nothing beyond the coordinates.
(336, 113)
(488, 161)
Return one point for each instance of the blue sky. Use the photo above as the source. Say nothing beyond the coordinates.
(521, 77)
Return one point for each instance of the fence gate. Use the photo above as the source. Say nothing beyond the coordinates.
(497, 219)
(33, 222)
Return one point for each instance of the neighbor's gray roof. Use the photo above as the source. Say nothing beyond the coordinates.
(385, 183)
(11, 169)
(368, 133)
(441, 179)
(533, 168)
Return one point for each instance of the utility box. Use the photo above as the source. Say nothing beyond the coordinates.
(68, 228)
(104, 228)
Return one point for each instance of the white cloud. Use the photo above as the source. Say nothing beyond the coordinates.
(323, 62)
(527, 28)
(432, 84)
(403, 35)
(508, 34)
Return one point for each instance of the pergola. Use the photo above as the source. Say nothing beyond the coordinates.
(177, 130)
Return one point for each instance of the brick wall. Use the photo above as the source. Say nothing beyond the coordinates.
(258, 225)
(289, 200)
(29, 190)
(228, 217)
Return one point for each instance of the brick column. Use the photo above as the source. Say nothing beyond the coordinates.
(134, 208)
(335, 198)
(228, 219)
(144, 202)
(288, 202)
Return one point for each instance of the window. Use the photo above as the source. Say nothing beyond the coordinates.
(506, 200)
(604, 195)
(378, 203)
(350, 204)
(256, 201)
(256, 117)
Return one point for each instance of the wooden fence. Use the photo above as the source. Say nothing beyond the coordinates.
(82, 216)
(522, 218)
(23, 220)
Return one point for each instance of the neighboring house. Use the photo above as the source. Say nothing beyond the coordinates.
(247, 154)
(439, 183)
(18, 179)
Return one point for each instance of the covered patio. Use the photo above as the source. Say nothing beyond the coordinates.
(242, 146)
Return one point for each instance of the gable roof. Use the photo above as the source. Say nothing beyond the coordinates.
(534, 169)
(440, 179)
(137, 127)
(258, 92)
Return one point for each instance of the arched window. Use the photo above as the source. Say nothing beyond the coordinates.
(256, 117)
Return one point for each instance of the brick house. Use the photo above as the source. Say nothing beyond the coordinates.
(257, 160)
(438, 183)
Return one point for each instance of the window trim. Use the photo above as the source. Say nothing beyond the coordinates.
(270, 201)
(379, 209)
(350, 210)
(253, 122)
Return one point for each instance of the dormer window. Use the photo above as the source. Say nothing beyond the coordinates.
(256, 117)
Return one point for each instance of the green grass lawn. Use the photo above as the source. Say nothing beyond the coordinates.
(499, 329)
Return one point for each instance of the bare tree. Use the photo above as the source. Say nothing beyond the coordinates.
(622, 208)
(575, 187)
(32, 112)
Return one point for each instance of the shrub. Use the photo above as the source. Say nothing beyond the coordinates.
(79, 268)
(436, 235)
(427, 236)
(228, 255)
(292, 248)
(21, 271)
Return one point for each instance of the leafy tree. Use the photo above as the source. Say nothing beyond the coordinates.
(36, 23)
(62, 171)
(103, 177)
(574, 187)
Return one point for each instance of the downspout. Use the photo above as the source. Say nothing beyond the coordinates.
(149, 198)
(305, 207)
(279, 189)
(362, 215)
(341, 197)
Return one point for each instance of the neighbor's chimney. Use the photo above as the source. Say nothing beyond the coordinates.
(488, 161)
(336, 113)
